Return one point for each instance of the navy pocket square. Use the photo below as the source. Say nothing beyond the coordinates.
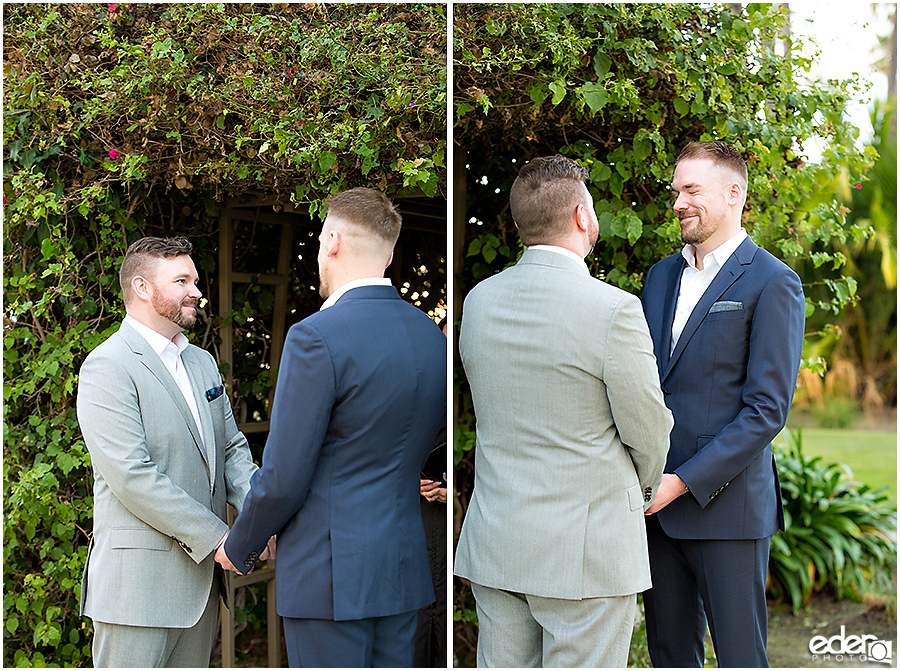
(214, 393)
(726, 306)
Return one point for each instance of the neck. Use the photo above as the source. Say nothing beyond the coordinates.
(342, 277)
(713, 243)
(153, 321)
(572, 243)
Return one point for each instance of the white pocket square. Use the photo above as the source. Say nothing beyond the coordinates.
(726, 306)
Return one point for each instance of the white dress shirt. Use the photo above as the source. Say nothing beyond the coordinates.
(170, 353)
(353, 284)
(565, 252)
(695, 282)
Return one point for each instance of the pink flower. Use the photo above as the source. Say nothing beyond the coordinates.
(412, 104)
(113, 154)
(114, 7)
(301, 123)
(859, 186)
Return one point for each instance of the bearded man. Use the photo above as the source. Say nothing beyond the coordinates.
(167, 458)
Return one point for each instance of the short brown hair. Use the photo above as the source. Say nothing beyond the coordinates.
(141, 253)
(720, 153)
(369, 209)
(547, 189)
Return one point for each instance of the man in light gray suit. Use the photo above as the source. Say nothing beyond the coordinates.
(571, 440)
(167, 457)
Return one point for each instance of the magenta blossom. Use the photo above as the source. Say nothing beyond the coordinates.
(113, 154)
(114, 7)
(859, 186)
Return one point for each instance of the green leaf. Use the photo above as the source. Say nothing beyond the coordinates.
(538, 92)
(327, 159)
(726, 68)
(595, 96)
(602, 63)
(559, 92)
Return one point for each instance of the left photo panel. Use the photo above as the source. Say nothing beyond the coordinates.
(225, 355)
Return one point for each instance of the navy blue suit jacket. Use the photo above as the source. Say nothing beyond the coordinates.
(729, 384)
(360, 399)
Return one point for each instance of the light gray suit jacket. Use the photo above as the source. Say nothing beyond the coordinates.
(159, 496)
(571, 433)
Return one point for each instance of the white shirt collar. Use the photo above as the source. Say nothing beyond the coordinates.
(720, 254)
(565, 252)
(354, 284)
(157, 340)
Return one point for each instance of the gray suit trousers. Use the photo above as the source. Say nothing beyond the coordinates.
(524, 631)
(118, 646)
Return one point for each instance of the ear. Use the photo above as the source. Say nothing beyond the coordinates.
(141, 288)
(334, 243)
(581, 218)
(390, 260)
(735, 194)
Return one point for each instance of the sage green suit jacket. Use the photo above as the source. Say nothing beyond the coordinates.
(160, 496)
(571, 433)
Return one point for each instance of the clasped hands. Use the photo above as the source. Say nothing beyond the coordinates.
(670, 488)
(222, 558)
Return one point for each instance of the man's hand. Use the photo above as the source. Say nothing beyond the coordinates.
(670, 489)
(269, 551)
(223, 559)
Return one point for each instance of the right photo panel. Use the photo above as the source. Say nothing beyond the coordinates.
(674, 308)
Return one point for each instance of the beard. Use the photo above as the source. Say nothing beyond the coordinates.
(699, 233)
(173, 310)
(593, 236)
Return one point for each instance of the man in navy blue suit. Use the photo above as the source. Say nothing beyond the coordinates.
(727, 320)
(361, 396)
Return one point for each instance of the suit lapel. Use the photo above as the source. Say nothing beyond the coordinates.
(151, 361)
(673, 286)
(729, 273)
(192, 365)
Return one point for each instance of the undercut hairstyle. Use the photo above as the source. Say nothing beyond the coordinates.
(142, 254)
(721, 154)
(544, 196)
(369, 209)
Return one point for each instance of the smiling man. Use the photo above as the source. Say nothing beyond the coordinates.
(167, 457)
(727, 319)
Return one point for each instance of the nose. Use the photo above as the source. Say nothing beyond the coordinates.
(195, 291)
(680, 203)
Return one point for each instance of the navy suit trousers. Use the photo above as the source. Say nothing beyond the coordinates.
(722, 582)
(385, 642)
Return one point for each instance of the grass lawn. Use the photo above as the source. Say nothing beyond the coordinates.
(871, 455)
